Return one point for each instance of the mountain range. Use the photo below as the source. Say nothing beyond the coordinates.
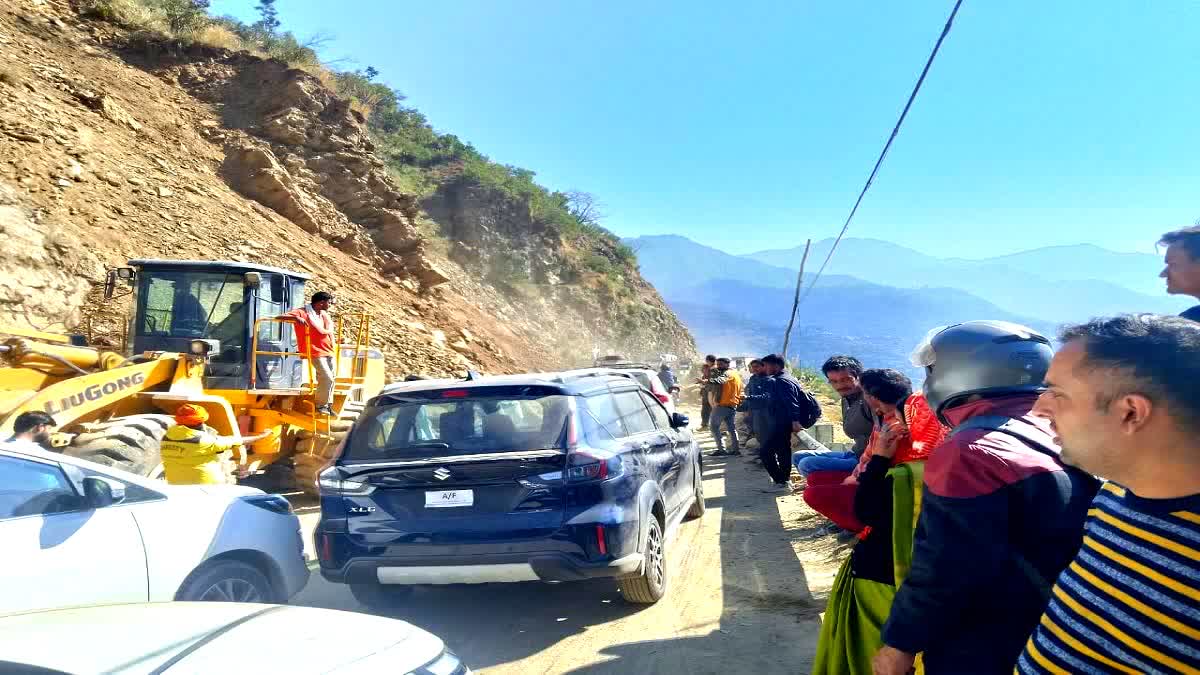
(877, 299)
(1086, 280)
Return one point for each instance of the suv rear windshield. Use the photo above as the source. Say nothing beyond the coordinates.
(643, 379)
(406, 428)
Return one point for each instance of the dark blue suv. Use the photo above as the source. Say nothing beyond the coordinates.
(508, 478)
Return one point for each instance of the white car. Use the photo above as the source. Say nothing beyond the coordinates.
(78, 533)
(645, 376)
(219, 637)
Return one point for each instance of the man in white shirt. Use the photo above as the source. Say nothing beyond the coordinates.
(31, 431)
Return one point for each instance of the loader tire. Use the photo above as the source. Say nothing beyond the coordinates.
(128, 443)
(306, 469)
(317, 446)
(341, 425)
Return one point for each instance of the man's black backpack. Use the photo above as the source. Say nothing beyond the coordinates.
(811, 409)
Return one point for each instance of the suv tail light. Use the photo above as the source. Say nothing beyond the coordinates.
(583, 467)
(330, 483)
(662, 398)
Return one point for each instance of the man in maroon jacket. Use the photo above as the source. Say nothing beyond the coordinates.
(1001, 515)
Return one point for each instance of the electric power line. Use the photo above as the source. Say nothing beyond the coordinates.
(886, 147)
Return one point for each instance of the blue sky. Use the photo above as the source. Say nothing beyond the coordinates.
(753, 125)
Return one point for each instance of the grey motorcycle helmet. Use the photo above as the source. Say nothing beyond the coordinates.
(988, 358)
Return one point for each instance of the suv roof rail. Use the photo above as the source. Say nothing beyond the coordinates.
(591, 372)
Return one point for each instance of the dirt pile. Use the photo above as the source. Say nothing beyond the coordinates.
(115, 146)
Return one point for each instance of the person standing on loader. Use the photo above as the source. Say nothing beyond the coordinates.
(314, 331)
(193, 453)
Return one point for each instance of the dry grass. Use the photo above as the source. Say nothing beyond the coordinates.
(320, 72)
(360, 107)
(129, 13)
(218, 36)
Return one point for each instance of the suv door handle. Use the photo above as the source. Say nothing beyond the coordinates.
(644, 445)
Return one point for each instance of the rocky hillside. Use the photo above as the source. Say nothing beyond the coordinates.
(119, 144)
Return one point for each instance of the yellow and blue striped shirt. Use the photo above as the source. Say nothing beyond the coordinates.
(1130, 601)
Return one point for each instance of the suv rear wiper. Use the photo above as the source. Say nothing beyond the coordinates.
(429, 444)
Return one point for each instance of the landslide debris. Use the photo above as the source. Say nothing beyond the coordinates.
(118, 144)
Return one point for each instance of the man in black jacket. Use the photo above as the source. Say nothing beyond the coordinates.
(1001, 515)
(788, 410)
(756, 402)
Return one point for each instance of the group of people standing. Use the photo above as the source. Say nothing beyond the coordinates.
(1029, 509)
(773, 401)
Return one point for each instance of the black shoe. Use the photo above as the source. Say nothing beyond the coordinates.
(324, 410)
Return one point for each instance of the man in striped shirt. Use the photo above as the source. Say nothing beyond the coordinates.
(1124, 399)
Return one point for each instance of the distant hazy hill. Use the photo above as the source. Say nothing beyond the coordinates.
(1135, 271)
(880, 325)
(674, 263)
(733, 304)
(1058, 284)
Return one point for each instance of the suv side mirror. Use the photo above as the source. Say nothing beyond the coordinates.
(102, 492)
(679, 421)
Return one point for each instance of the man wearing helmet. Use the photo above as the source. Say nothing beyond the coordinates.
(1001, 515)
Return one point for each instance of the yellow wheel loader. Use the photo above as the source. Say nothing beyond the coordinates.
(202, 332)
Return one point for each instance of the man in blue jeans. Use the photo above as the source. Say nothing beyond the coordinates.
(857, 420)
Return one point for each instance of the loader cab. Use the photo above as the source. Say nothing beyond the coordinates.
(180, 302)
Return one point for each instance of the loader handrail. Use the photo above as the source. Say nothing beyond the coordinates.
(255, 353)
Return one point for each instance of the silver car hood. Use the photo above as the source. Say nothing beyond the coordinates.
(213, 637)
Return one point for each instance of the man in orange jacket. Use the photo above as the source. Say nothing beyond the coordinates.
(728, 396)
(314, 331)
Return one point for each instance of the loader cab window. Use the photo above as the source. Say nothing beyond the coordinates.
(178, 306)
(190, 304)
(274, 370)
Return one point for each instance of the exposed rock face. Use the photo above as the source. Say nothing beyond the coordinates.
(123, 146)
(252, 167)
(304, 153)
(41, 284)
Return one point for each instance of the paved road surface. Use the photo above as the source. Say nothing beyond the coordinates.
(738, 601)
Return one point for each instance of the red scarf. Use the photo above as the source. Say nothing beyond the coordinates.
(924, 434)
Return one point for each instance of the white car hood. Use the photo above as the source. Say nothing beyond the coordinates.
(228, 490)
(213, 637)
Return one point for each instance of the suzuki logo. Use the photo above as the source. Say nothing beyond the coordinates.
(442, 473)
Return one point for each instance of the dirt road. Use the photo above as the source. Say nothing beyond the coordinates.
(748, 583)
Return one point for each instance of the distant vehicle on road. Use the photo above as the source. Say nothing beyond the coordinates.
(218, 637)
(555, 477)
(78, 533)
(642, 372)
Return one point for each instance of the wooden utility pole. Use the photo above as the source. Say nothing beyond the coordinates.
(795, 302)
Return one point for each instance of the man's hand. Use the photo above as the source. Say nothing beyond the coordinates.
(891, 438)
(796, 428)
(892, 661)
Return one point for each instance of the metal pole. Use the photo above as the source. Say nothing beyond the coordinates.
(795, 302)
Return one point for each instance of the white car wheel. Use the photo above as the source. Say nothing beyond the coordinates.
(227, 581)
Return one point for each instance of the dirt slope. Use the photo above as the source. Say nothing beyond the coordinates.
(116, 146)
